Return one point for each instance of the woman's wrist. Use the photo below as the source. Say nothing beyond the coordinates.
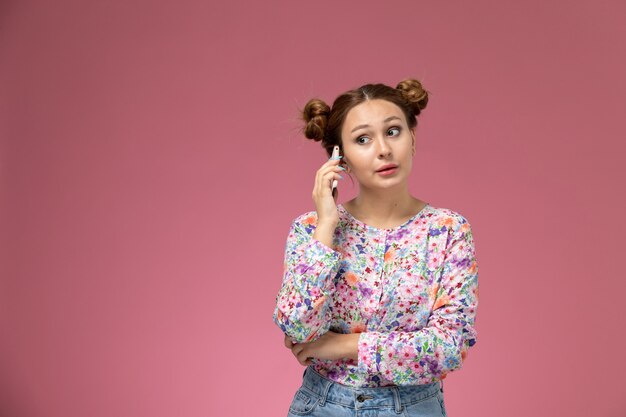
(351, 345)
(324, 233)
(326, 226)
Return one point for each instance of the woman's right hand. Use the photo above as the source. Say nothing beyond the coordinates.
(325, 202)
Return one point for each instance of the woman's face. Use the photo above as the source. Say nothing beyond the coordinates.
(375, 134)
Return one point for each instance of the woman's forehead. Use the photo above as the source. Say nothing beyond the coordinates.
(372, 112)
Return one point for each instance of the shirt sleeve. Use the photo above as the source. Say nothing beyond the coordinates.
(428, 354)
(303, 301)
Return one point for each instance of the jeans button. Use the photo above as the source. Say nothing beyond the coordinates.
(360, 398)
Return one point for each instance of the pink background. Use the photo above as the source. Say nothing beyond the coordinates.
(151, 164)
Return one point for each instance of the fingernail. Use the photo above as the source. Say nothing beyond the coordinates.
(337, 157)
(340, 167)
(340, 176)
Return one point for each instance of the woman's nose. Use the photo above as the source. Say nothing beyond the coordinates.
(383, 148)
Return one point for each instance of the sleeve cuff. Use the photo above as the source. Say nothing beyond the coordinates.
(318, 253)
(369, 357)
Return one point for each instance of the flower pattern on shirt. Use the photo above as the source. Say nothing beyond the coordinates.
(410, 291)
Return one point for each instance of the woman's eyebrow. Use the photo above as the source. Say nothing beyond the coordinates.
(359, 127)
(388, 119)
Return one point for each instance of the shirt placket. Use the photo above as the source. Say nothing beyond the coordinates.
(380, 279)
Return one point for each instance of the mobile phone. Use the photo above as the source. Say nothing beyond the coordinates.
(335, 155)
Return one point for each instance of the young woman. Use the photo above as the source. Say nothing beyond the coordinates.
(379, 294)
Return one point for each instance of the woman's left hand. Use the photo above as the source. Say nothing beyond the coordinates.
(329, 346)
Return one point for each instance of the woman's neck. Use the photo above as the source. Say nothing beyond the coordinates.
(383, 207)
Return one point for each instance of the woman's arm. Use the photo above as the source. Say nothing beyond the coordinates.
(302, 304)
(428, 354)
(330, 346)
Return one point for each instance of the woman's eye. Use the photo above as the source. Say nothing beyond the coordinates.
(394, 131)
(360, 139)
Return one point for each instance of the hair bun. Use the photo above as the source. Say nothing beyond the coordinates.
(315, 115)
(414, 93)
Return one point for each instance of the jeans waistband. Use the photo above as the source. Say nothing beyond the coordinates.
(365, 397)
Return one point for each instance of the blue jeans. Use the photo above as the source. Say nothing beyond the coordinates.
(320, 397)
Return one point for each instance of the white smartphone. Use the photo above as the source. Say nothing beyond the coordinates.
(335, 155)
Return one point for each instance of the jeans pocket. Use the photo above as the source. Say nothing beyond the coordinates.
(303, 403)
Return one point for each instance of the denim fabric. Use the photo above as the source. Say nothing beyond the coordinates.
(320, 397)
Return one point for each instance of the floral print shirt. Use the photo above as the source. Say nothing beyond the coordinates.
(410, 291)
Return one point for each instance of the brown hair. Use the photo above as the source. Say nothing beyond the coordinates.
(323, 123)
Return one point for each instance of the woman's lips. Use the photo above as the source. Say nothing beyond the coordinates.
(387, 172)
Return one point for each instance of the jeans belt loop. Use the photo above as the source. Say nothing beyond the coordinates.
(396, 399)
(325, 392)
